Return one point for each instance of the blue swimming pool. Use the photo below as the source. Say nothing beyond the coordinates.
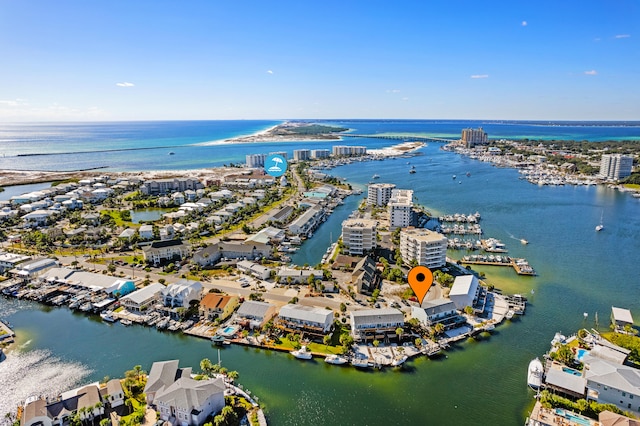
(228, 330)
(580, 354)
(571, 371)
(573, 417)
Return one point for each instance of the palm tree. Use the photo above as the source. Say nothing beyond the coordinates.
(438, 328)
(326, 340)
(233, 375)
(399, 332)
(206, 366)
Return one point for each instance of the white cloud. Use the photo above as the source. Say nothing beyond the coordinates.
(592, 72)
(405, 99)
(393, 90)
(623, 35)
(480, 76)
(14, 102)
(524, 23)
(125, 84)
(269, 72)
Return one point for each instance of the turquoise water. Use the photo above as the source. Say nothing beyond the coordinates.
(477, 382)
(577, 419)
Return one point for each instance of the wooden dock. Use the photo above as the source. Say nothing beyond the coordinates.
(521, 266)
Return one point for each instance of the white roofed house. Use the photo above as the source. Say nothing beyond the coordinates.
(38, 218)
(375, 324)
(161, 252)
(180, 399)
(612, 383)
(141, 299)
(181, 294)
(308, 319)
(464, 291)
(146, 232)
(32, 268)
(437, 311)
(256, 313)
(621, 319)
(253, 269)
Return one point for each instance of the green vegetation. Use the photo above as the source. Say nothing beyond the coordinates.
(632, 181)
(627, 341)
(313, 129)
(588, 408)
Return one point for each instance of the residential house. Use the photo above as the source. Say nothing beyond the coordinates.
(464, 291)
(180, 294)
(257, 314)
(161, 252)
(140, 300)
(437, 311)
(37, 218)
(212, 254)
(253, 269)
(309, 319)
(85, 401)
(308, 221)
(146, 232)
(113, 393)
(380, 324)
(297, 276)
(11, 260)
(215, 305)
(366, 277)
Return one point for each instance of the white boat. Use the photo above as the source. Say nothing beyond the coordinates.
(534, 374)
(361, 362)
(399, 360)
(107, 316)
(375, 176)
(600, 226)
(523, 241)
(302, 353)
(336, 359)
(510, 314)
(125, 322)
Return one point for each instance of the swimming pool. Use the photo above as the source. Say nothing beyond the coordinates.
(571, 371)
(228, 331)
(573, 417)
(580, 354)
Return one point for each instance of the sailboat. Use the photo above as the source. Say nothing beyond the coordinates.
(600, 226)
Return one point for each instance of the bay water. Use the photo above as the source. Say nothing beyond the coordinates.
(476, 382)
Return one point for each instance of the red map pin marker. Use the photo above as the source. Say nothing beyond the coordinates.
(420, 279)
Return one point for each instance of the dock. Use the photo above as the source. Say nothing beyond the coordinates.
(6, 334)
(520, 265)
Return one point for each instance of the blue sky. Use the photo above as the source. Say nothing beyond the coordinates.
(73, 60)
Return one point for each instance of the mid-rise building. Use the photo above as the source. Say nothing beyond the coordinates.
(280, 153)
(320, 153)
(428, 248)
(359, 235)
(379, 194)
(301, 154)
(344, 150)
(473, 137)
(615, 166)
(255, 160)
(400, 208)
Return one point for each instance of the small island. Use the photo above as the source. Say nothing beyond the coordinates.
(293, 131)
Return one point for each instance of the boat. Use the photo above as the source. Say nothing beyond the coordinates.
(302, 353)
(126, 322)
(600, 226)
(375, 176)
(412, 171)
(534, 374)
(218, 340)
(454, 176)
(107, 316)
(523, 241)
(336, 359)
(171, 153)
(361, 363)
(399, 360)
(510, 314)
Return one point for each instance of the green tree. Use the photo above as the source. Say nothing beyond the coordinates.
(326, 340)
(399, 333)
(438, 329)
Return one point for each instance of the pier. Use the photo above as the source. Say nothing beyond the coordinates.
(405, 138)
(521, 266)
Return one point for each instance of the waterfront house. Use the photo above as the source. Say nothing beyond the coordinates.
(85, 400)
(181, 294)
(162, 252)
(282, 215)
(90, 281)
(464, 291)
(380, 324)
(621, 318)
(308, 221)
(366, 277)
(437, 311)
(215, 305)
(140, 300)
(612, 383)
(113, 393)
(257, 314)
(180, 399)
(309, 319)
(565, 381)
(212, 254)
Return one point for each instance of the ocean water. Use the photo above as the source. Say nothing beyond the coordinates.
(476, 382)
(135, 146)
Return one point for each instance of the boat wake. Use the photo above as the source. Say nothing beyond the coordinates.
(38, 372)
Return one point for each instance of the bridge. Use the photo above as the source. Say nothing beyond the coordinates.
(404, 138)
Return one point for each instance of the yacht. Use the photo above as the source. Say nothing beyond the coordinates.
(107, 316)
(399, 360)
(375, 176)
(302, 353)
(523, 241)
(534, 374)
(361, 363)
(600, 226)
(126, 322)
(336, 359)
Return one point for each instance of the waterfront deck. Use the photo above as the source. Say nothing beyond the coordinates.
(521, 266)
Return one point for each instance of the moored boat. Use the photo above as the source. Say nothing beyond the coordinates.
(336, 359)
(107, 316)
(534, 374)
(302, 353)
(399, 360)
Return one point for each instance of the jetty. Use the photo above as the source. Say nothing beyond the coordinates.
(6, 334)
(520, 265)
